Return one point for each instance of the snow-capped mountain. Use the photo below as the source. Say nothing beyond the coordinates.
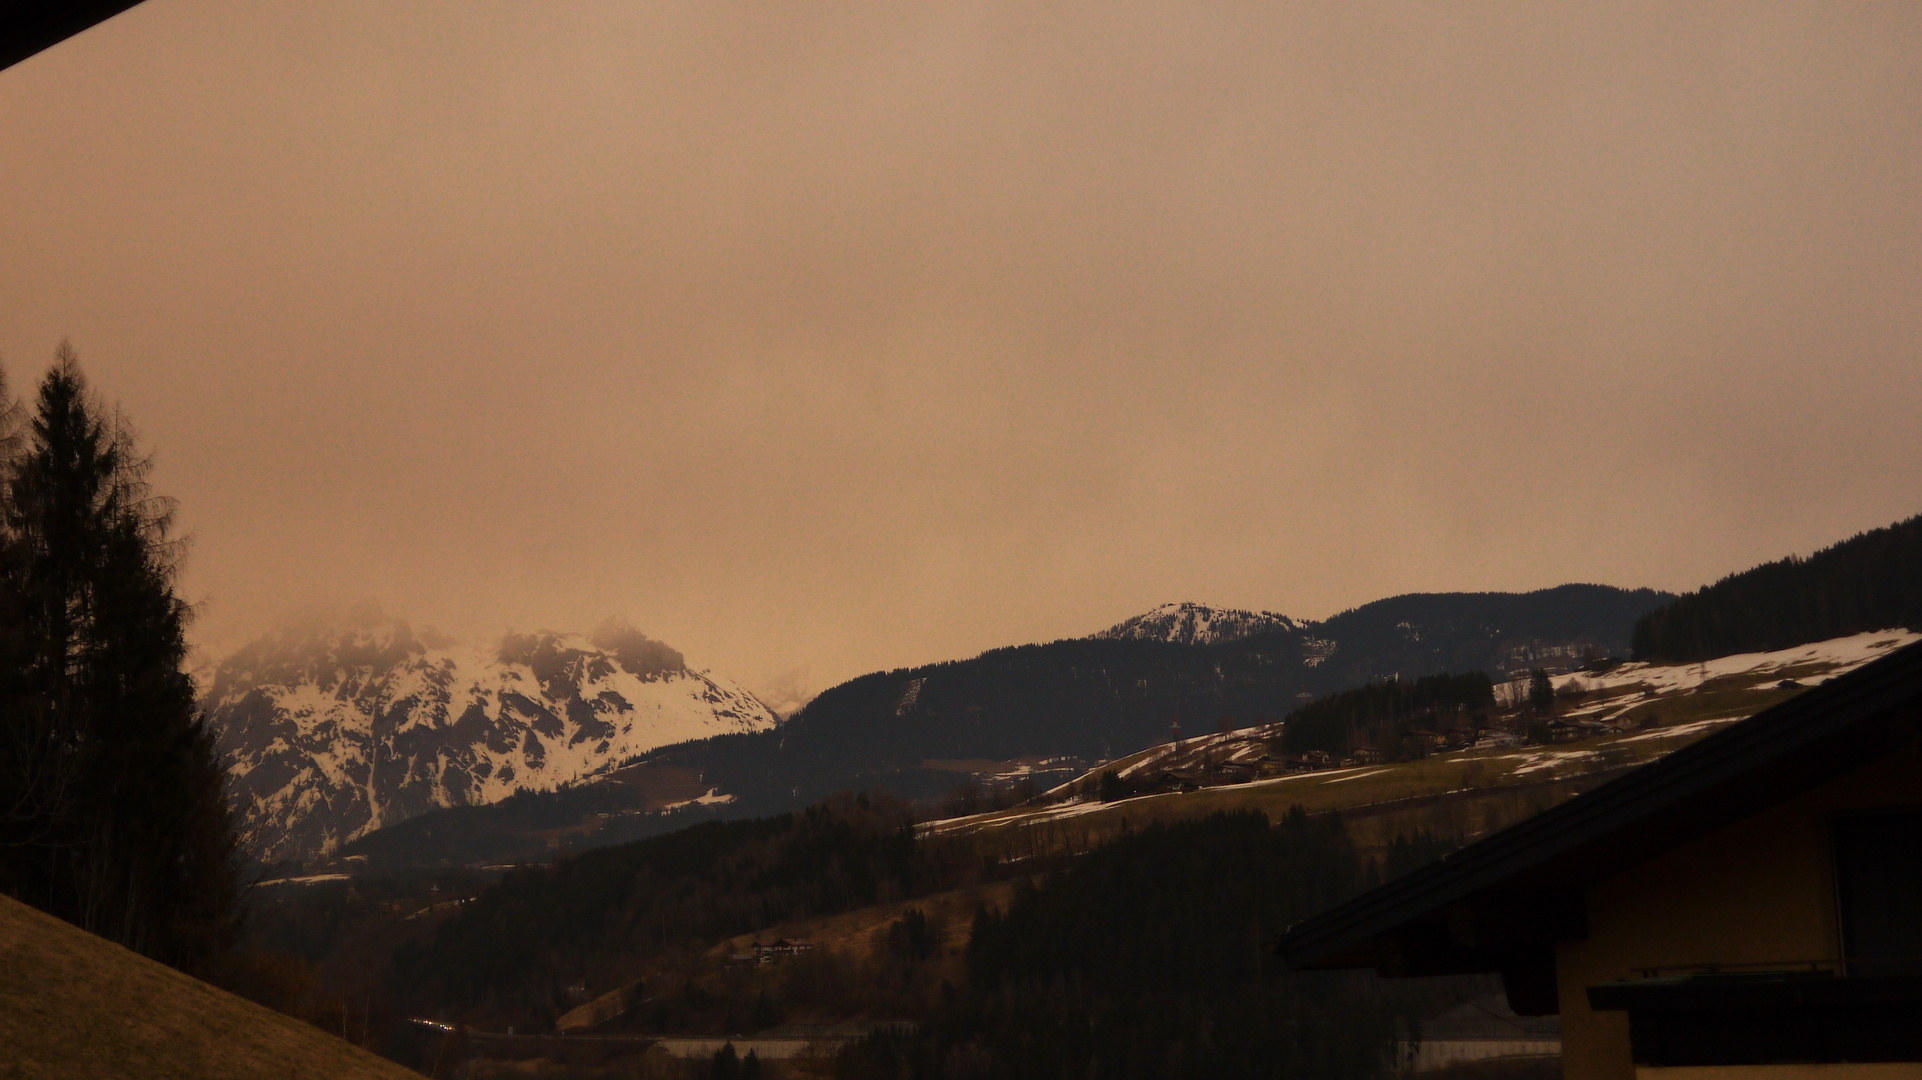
(329, 733)
(1197, 624)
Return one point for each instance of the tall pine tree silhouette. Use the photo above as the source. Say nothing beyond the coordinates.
(115, 811)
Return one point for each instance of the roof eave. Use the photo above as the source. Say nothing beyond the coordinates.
(28, 27)
(1336, 938)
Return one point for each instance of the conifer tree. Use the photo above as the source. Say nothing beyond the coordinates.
(1541, 690)
(116, 815)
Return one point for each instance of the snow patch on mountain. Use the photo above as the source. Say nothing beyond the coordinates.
(1825, 659)
(1198, 624)
(329, 733)
(1801, 666)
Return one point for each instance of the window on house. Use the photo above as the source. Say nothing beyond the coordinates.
(1878, 873)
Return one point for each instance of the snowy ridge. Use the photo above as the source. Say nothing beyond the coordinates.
(1197, 624)
(1814, 663)
(330, 733)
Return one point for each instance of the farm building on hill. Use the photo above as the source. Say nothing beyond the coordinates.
(785, 947)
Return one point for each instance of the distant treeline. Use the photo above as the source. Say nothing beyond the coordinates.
(1869, 582)
(1379, 714)
(1152, 956)
(1425, 633)
(518, 828)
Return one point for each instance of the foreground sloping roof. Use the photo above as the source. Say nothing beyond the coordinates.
(1521, 886)
(28, 26)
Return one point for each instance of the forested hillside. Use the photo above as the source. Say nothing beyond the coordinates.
(1379, 714)
(603, 915)
(1102, 698)
(1151, 957)
(1500, 633)
(1868, 582)
(1147, 955)
(1085, 698)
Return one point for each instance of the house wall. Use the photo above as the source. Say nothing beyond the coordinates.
(1760, 891)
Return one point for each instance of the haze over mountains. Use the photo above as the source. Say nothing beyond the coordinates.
(332, 732)
(357, 733)
(328, 732)
(922, 731)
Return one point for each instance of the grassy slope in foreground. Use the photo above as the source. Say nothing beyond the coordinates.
(76, 1005)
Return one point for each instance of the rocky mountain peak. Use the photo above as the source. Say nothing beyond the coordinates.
(1197, 624)
(330, 730)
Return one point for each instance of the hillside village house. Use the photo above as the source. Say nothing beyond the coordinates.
(1748, 907)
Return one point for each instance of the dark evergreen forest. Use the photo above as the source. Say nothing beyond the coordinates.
(1379, 714)
(1868, 582)
(112, 809)
(1427, 633)
(1149, 956)
(1152, 956)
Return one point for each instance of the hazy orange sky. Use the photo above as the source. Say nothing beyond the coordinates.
(821, 338)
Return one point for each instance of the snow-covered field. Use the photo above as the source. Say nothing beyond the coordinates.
(1811, 665)
(1622, 688)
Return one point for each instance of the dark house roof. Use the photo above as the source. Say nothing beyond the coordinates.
(1500, 903)
(28, 26)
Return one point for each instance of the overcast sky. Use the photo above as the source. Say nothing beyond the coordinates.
(821, 338)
